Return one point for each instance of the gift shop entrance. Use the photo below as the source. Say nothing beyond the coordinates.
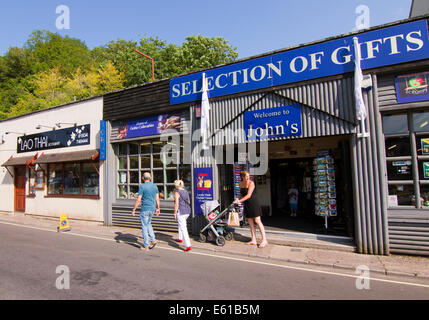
(308, 181)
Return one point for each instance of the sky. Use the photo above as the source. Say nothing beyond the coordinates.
(252, 26)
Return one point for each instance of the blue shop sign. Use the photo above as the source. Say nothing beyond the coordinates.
(391, 45)
(273, 122)
(103, 140)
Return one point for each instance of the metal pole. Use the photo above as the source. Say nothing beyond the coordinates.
(153, 63)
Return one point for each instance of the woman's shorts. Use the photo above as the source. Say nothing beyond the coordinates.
(293, 206)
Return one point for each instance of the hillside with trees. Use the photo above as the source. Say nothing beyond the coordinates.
(51, 69)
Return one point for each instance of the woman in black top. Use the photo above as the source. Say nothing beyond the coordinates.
(252, 208)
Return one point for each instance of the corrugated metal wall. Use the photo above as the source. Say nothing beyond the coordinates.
(327, 109)
(323, 110)
(369, 171)
(408, 229)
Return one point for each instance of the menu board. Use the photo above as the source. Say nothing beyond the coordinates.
(324, 184)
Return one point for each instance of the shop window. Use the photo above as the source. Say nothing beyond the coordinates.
(399, 170)
(73, 179)
(424, 195)
(395, 124)
(421, 122)
(147, 156)
(145, 162)
(134, 148)
(407, 166)
(31, 182)
(55, 179)
(404, 194)
(398, 146)
(90, 179)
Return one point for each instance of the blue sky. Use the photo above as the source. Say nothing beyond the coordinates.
(253, 26)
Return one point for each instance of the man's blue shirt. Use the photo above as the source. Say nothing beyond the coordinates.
(148, 191)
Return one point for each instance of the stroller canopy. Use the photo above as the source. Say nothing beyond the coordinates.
(209, 206)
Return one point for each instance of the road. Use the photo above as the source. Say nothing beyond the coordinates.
(35, 263)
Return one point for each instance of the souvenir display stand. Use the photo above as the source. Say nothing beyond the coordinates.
(324, 186)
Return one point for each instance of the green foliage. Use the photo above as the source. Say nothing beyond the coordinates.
(52, 69)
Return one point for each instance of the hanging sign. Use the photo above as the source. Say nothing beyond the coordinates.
(203, 187)
(382, 47)
(273, 122)
(62, 138)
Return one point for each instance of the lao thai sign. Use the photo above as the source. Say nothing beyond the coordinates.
(391, 45)
(62, 138)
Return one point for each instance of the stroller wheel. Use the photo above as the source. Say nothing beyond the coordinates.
(220, 241)
(229, 236)
(202, 238)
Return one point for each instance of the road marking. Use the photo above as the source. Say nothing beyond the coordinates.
(230, 258)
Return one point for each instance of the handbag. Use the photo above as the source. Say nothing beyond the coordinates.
(233, 219)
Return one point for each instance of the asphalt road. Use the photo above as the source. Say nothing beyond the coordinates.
(101, 268)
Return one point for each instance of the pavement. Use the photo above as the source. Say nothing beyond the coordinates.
(308, 249)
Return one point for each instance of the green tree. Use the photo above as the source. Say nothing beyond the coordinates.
(200, 52)
(50, 50)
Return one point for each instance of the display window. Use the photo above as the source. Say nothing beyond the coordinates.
(78, 179)
(136, 158)
(407, 158)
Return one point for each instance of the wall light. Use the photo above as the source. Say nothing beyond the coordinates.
(39, 126)
(69, 123)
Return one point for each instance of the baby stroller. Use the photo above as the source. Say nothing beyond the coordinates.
(216, 230)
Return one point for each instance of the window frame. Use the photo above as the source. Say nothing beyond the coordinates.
(81, 195)
(163, 186)
(414, 157)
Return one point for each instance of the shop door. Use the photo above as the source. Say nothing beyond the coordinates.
(20, 181)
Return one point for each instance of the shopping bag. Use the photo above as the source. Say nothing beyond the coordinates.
(233, 219)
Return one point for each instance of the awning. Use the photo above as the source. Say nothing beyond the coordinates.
(68, 156)
(20, 161)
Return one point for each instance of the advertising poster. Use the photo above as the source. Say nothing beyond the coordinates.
(150, 126)
(412, 87)
(426, 170)
(203, 185)
(425, 146)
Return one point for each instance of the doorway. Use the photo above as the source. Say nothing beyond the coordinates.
(286, 174)
(20, 183)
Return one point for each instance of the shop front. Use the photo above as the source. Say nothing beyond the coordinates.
(145, 135)
(51, 163)
(289, 117)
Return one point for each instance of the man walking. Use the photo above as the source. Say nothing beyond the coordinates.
(149, 199)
